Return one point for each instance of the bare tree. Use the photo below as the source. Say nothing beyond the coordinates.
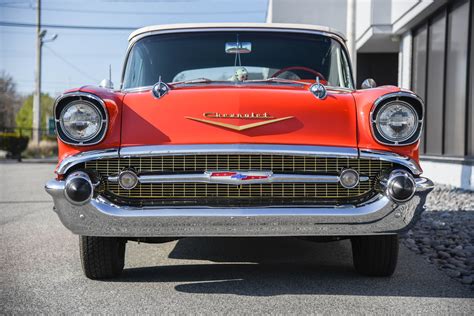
(10, 102)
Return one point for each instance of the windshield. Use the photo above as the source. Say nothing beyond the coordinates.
(209, 56)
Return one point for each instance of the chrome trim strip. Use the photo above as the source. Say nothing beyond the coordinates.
(186, 26)
(71, 161)
(100, 217)
(105, 120)
(397, 95)
(407, 162)
(206, 178)
(334, 36)
(233, 84)
(297, 150)
(168, 150)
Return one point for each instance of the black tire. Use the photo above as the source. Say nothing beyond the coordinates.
(102, 257)
(375, 255)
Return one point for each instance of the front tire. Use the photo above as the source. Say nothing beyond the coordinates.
(102, 257)
(375, 255)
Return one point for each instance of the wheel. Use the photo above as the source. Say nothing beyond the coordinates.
(375, 255)
(102, 257)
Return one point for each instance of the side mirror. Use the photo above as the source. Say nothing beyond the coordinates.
(368, 84)
(107, 84)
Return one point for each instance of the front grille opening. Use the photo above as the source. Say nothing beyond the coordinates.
(233, 195)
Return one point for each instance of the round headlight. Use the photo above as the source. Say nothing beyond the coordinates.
(80, 120)
(397, 121)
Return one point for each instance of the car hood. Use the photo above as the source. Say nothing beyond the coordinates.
(230, 115)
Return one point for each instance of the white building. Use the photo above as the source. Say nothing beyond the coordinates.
(422, 45)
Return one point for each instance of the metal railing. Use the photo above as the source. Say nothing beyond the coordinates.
(27, 132)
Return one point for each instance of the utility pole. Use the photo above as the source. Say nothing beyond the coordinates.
(351, 34)
(37, 96)
(40, 40)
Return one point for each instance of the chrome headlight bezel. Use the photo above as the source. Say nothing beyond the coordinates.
(406, 99)
(67, 100)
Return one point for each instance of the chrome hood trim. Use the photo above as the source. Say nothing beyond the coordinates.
(164, 150)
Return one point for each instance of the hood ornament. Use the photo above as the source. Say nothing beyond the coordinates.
(160, 89)
(319, 90)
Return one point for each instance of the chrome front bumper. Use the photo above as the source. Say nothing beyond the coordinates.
(99, 217)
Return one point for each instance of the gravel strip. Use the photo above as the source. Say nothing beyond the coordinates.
(444, 235)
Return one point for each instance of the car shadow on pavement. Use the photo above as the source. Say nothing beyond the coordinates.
(281, 266)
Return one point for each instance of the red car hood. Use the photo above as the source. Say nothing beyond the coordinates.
(265, 115)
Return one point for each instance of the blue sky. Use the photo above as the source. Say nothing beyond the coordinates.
(79, 57)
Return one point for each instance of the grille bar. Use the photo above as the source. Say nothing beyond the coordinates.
(273, 190)
(200, 163)
(207, 177)
(275, 163)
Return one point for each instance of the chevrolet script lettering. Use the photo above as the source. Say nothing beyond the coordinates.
(247, 116)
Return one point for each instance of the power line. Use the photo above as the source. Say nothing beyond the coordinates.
(25, 31)
(77, 27)
(134, 13)
(71, 64)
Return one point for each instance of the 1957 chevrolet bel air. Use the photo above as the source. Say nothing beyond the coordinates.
(238, 130)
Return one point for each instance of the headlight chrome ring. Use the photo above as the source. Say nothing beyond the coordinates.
(88, 110)
(396, 119)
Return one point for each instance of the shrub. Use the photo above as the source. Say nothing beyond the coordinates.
(13, 144)
(45, 149)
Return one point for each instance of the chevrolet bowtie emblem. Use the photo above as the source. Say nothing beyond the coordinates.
(241, 127)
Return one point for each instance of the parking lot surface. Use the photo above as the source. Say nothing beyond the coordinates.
(41, 273)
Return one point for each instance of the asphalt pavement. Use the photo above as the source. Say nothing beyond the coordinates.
(40, 270)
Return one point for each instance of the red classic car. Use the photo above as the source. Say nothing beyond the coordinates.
(238, 130)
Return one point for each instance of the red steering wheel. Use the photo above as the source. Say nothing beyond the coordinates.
(314, 72)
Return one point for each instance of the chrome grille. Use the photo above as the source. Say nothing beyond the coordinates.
(275, 163)
(270, 190)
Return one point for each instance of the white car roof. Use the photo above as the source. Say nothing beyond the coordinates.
(193, 26)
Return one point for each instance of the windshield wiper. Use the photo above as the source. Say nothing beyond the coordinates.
(191, 81)
(205, 80)
(279, 80)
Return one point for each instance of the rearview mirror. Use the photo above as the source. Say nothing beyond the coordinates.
(238, 47)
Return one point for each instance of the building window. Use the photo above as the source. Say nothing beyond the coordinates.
(435, 85)
(470, 84)
(420, 40)
(442, 74)
(456, 76)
